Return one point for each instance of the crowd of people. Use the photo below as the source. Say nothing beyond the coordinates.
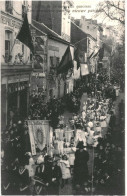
(52, 173)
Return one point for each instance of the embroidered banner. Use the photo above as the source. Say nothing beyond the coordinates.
(39, 134)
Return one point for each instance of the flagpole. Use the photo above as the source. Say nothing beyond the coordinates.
(80, 40)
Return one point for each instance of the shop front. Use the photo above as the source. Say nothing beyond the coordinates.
(14, 97)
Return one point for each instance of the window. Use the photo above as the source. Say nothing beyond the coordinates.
(57, 61)
(87, 27)
(9, 7)
(53, 61)
(22, 48)
(8, 38)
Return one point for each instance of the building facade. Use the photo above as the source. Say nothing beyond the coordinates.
(15, 62)
(38, 76)
(55, 49)
(55, 15)
(91, 27)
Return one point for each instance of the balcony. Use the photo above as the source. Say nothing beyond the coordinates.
(17, 66)
(17, 62)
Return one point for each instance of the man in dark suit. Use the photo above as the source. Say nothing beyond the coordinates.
(80, 165)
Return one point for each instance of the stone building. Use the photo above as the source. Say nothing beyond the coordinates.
(15, 62)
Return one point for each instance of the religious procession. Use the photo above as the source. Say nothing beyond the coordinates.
(58, 153)
(62, 98)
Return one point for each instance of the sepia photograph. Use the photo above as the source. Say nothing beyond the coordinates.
(62, 97)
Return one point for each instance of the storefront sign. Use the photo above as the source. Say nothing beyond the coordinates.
(10, 22)
(36, 74)
(53, 48)
(15, 79)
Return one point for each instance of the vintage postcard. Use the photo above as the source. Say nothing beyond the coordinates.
(62, 97)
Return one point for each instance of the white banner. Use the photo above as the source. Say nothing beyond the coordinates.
(39, 134)
(76, 72)
(84, 69)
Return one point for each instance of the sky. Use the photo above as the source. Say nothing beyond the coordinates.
(84, 7)
(87, 8)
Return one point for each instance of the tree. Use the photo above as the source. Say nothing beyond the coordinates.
(113, 10)
(118, 64)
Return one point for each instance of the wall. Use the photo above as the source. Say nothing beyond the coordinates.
(59, 50)
(17, 73)
(13, 22)
(46, 12)
(88, 27)
(66, 22)
(55, 15)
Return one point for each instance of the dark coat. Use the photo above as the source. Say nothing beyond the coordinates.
(80, 167)
(50, 173)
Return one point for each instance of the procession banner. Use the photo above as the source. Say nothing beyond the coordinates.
(39, 134)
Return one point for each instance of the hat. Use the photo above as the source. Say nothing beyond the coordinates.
(64, 156)
(90, 124)
(97, 124)
(80, 145)
(48, 158)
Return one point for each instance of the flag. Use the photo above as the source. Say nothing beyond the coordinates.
(96, 54)
(76, 74)
(84, 69)
(79, 56)
(24, 35)
(91, 55)
(76, 57)
(66, 62)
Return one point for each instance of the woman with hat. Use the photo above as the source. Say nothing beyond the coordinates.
(80, 165)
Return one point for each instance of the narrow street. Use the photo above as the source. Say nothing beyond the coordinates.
(62, 97)
(68, 189)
